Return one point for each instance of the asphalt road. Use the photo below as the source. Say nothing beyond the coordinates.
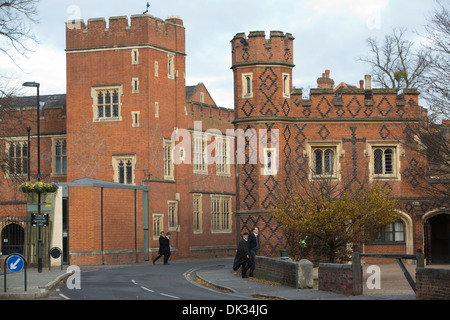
(144, 282)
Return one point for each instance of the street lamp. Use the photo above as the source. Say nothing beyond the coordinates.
(37, 85)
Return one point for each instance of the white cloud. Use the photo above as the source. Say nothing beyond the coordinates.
(43, 64)
(329, 34)
(362, 9)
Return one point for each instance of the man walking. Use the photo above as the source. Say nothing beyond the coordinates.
(164, 247)
(253, 243)
(161, 246)
(167, 249)
(242, 256)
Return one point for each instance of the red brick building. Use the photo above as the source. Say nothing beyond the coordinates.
(348, 134)
(126, 97)
(136, 151)
(128, 175)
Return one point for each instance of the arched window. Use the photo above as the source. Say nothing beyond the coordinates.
(12, 239)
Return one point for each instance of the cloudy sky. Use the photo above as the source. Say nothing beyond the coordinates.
(329, 34)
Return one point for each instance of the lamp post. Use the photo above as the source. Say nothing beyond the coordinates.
(37, 85)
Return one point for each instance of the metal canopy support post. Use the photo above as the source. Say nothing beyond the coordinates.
(146, 236)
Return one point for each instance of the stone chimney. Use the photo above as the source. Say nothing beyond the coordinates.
(325, 82)
(368, 81)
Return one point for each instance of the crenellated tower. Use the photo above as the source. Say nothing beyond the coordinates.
(125, 78)
(262, 74)
(262, 86)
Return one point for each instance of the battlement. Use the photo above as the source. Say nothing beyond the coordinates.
(143, 29)
(357, 103)
(255, 48)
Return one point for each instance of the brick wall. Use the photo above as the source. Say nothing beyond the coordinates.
(284, 272)
(432, 284)
(336, 278)
(287, 272)
(105, 235)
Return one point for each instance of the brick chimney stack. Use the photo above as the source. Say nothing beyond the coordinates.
(325, 82)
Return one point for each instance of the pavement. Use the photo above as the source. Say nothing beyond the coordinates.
(38, 284)
(394, 285)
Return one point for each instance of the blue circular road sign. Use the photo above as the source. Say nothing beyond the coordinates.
(15, 263)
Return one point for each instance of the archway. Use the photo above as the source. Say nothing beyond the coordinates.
(437, 237)
(13, 236)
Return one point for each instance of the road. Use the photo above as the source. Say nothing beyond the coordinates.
(144, 282)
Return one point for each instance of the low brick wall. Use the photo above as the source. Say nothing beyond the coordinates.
(432, 284)
(287, 272)
(336, 278)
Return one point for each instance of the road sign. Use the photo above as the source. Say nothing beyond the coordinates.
(15, 263)
(39, 219)
(44, 207)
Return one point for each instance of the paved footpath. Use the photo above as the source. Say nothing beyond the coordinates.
(38, 284)
(224, 278)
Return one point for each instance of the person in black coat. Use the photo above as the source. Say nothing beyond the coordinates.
(242, 256)
(253, 244)
(164, 247)
(161, 246)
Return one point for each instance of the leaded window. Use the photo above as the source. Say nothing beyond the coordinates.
(383, 161)
(108, 104)
(18, 158)
(323, 164)
(60, 157)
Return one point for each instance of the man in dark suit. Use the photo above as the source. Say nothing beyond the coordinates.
(161, 246)
(242, 256)
(253, 244)
(167, 247)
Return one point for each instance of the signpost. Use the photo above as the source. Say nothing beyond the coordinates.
(39, 219)
(34, 207)
(15, 263)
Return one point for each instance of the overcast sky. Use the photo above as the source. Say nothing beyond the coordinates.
(329, 34)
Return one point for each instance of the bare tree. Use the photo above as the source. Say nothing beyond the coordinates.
(16, 18)
(436, 81)
(395, 62)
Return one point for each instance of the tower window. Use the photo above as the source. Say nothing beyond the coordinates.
(124, 169)
(247, 85)
(171, 66)
(135, 56)
(286, 86)
(135, 117)
(107, 104)
(135, 85)
(270, 161)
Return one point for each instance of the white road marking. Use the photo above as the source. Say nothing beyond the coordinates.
(65, 297)
(149, 290)
(168, 295)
